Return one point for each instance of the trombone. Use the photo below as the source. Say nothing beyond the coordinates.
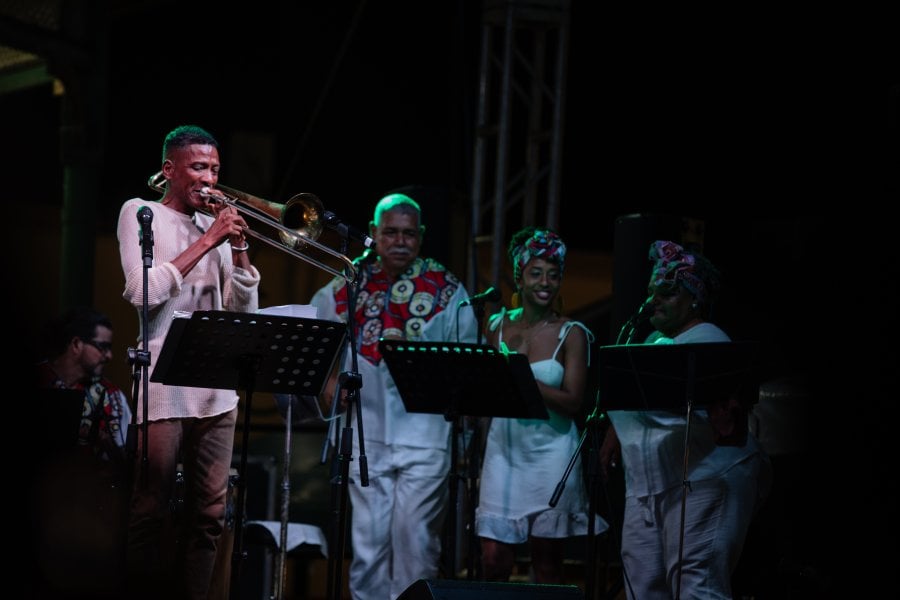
(298, 221)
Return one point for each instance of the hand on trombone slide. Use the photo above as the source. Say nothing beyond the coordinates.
(229, 224)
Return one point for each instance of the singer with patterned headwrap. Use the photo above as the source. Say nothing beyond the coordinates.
(728, 473)
(525, 459)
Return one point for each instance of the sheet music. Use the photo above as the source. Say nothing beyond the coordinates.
(297, 533)
(302, 311)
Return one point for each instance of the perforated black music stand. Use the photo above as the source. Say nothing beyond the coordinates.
(458, 379)
(462, 380)
(251, 352)
(676, 377)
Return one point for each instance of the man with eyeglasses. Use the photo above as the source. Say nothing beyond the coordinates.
(78, 483)
(79, 345)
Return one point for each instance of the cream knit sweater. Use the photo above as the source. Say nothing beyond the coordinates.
(214, 284)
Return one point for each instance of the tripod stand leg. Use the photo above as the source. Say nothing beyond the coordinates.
(336, 550)
(473, 461)
(281, 569)
(454, 499)
(238, 552)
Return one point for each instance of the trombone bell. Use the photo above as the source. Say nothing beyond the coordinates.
(303, 213)
(301, 217)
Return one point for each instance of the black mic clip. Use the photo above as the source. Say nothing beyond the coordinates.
(368, 256)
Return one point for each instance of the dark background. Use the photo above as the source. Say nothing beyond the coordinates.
(778, 129)
(752, 116)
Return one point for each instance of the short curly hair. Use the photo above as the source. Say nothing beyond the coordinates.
(187, 135)
(80, 322)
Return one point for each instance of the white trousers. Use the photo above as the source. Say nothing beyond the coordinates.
(717, 516)
(397, 519)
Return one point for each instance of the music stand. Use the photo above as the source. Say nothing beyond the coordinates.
(453, 379)
(460, 379)
(251, 352)
(676, 377)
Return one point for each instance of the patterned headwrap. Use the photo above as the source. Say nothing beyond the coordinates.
(542, 243)
(673, 265)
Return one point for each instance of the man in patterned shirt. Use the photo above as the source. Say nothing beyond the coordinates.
(397, 518)
(79, 488)
(80, 346)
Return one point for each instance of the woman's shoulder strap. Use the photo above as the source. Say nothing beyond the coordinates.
(564, 331)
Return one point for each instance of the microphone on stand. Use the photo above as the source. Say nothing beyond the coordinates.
(491, 294)
(145, 218)
(645, 311)
(332, 221)
(640, 316)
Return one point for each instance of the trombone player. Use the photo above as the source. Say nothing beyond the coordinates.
(198, 260)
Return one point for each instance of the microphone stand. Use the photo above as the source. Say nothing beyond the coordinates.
(631, 325)
(473, 463)
(281, 571)
(473, 460)
(140, 359)
(591, 428)
(352, 382)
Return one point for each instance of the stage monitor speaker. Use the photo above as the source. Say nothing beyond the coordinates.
(452, 589)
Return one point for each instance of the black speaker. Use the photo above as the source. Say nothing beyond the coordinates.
(451, 589)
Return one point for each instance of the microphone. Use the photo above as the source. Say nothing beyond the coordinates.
(332, 221)
(491, 294)
(645, 311)
(641, 315)
(145, 218)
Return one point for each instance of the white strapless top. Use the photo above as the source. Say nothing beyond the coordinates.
(549, 372)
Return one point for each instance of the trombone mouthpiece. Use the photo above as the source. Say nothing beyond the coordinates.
(211, 195)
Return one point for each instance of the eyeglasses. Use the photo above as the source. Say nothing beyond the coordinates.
(100, 346)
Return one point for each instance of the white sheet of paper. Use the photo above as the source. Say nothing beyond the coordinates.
(303, 311)
(297, 533)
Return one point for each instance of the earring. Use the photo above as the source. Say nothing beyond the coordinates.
(514, 300)
(695, 306)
